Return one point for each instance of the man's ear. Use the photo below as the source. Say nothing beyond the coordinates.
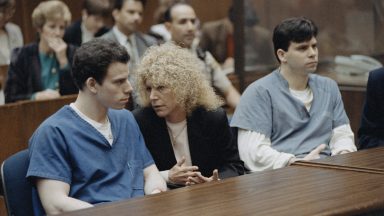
(281, 54)
(168, 26)
(115, 14)
(91, 84)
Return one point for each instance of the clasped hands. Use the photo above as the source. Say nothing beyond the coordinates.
(189, 175)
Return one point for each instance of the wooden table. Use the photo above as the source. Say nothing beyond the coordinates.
(295, 190)
(369, 160)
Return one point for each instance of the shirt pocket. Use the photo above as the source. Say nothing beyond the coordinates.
(136, 172)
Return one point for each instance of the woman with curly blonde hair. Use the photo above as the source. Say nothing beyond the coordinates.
(183, 125)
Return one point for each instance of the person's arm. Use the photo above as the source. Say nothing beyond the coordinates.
(153, 182)
(54, 197)
(232, 97)
(342, 140)
(256, 152)
(221, 82)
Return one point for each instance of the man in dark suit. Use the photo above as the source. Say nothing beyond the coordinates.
(91, 24)
(128, 15)
(371, 132)
(183, 125)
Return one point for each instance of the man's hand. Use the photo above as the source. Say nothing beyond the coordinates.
(202, 179)
(313, 155)
(179, 173)
(47, 94)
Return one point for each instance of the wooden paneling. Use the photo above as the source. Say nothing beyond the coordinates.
(19, 120)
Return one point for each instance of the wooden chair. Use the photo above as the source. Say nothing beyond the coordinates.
(3, 75)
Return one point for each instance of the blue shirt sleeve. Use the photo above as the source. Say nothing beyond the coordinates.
(254, 111)
(48, 155)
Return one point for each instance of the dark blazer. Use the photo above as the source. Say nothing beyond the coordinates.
(371, 132)
(73, 33)
(24, 74)
(212, 143)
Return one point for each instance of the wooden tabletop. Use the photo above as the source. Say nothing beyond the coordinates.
(295, 190)
(369, 160)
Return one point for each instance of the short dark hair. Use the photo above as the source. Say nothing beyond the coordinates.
(94, 57)
(119, 3)
(97, 7)
(167, 13)
(7, 3)
(296, 29)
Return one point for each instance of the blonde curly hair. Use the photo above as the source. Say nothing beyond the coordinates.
(178, 69)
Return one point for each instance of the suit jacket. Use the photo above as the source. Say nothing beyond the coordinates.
(24, 74)
(211, 141)
(143, 41)
(258, 42)
(371, 132)
(15, 40)
(73, 34)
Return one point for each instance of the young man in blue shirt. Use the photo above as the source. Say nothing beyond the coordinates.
(92, 151)
(292, 114)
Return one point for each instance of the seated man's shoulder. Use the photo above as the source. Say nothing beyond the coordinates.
(324, 82)
(59, 119)
(265, 82)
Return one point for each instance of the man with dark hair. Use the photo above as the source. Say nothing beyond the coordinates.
(292, 114)
(181, 20)
(92, 23)
(92, 151)
(128, 15)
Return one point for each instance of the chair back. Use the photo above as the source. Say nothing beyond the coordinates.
(3, 75)
(16, 188)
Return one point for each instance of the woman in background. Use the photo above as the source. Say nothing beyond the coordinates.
(41, 70)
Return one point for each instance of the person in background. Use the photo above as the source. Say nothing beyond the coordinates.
(217, 37)
(371, 132)
(92, 23)
(10, 38)
(41, 70)
(292, 114)
(128, 15)
(92, 151)
(10, 34)
(183, 125)
(180, 20)
(159, 31)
